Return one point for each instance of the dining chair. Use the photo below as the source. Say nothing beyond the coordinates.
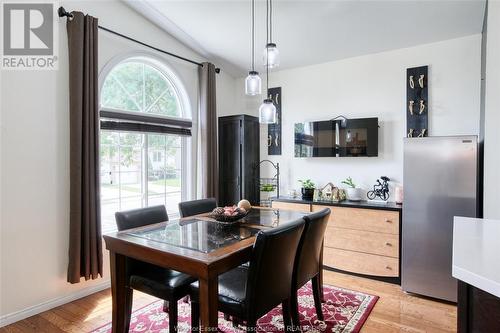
(195, 207)
(307, 266)
(157, 281)
(248, 293)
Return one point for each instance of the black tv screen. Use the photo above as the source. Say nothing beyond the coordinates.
(337, 138)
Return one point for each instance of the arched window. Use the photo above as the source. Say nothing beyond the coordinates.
(137, 86)
(143, 149)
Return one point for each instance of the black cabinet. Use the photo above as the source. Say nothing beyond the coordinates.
(239, 149)
(477, 311)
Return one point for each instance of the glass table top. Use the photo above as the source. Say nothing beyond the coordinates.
(206, 235)
(196, 234)
(271, 217)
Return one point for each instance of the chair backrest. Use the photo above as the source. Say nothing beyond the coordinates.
(307, 262)
(139, 217)
(271, 267)
(195, 207)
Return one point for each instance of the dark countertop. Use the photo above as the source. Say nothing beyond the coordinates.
(346, 203)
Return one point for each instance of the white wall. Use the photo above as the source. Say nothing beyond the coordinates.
(373, 86)
(34, 166)
(492, 115)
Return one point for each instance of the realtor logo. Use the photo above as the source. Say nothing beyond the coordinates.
(28, 36)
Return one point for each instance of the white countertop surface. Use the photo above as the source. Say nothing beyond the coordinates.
(476, 253)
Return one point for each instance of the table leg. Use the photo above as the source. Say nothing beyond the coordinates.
(209, 293)
(121, 294)
(320, 276)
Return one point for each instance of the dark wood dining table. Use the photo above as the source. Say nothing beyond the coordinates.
(198, 246)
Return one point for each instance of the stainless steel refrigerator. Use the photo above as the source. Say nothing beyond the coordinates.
(439, 181)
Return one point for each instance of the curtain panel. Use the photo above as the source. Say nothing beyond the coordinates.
(85, 244)
(207, 139)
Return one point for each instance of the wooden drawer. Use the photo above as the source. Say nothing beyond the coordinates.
(291, 206)
(363, 241)
(362, 263)
(374, 220)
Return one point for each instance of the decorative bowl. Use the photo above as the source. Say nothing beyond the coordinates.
(227, 219)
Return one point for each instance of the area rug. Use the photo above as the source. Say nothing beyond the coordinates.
(345, 311)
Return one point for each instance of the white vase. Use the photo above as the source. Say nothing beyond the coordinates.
(354, 194)
(399, 194)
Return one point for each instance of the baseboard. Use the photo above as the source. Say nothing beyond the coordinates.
(36, 309)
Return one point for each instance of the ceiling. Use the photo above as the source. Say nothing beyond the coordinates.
(310, 32)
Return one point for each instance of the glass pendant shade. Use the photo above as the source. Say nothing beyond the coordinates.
(267, 112)
(253, 84)
(271, 56)
(348, 136)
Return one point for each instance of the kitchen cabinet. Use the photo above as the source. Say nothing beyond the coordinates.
(239, 150)
(475, 264)
(362, 238)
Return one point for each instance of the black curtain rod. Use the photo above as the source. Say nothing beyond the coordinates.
(63, 13)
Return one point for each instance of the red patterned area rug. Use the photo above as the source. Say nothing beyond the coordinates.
(345, 311)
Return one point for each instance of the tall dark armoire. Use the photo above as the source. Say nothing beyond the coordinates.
(239, 150)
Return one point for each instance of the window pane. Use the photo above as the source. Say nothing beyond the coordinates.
(121, 174)
(110, 191)
(131, 166)
(164, 177)
(122, 88)
(124, 158)
(136, 86)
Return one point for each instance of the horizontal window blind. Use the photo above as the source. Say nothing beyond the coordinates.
(134, 122)
(143, 127)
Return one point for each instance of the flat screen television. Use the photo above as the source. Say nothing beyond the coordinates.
(337, 138)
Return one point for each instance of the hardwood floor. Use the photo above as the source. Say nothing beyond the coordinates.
(394, 312)
(397, 311)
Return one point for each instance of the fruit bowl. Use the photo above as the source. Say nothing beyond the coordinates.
(228, 215)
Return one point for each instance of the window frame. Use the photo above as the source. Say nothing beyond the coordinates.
(186, 114)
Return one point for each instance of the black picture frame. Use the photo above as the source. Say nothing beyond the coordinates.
(274, 141)
(417, 94)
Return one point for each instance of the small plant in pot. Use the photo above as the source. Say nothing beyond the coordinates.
(353, 193)
(307, 189)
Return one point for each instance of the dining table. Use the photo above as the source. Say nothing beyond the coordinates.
(198, 245)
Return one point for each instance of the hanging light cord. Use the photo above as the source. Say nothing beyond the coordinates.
(267, 23)
(267, 48)
(253, 35)
(270, 21)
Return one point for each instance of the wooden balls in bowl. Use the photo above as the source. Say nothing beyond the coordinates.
(245, 204)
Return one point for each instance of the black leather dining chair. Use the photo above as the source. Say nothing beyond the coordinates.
(248, 293)
(157, 281)
(307, 264)
(195, 207)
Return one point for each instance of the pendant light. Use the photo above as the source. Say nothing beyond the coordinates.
(253, 83)
(267, 110)
(271, 52)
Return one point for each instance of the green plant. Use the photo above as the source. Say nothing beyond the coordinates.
(349, 182)
(267, 187)
(307, 184)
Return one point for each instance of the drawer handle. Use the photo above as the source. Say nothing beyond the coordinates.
(388, 244)
(388, 221)
(388, 267)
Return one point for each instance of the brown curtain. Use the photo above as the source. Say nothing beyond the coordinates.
(208, 131)
(85, 245)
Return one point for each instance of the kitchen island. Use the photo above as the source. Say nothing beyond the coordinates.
(476, 265)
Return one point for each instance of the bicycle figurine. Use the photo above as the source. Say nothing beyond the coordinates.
(381, 189)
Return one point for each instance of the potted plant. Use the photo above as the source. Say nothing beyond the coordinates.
(307, 189)
(353, 193)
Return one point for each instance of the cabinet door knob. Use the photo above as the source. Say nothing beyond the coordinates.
(388, 244)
